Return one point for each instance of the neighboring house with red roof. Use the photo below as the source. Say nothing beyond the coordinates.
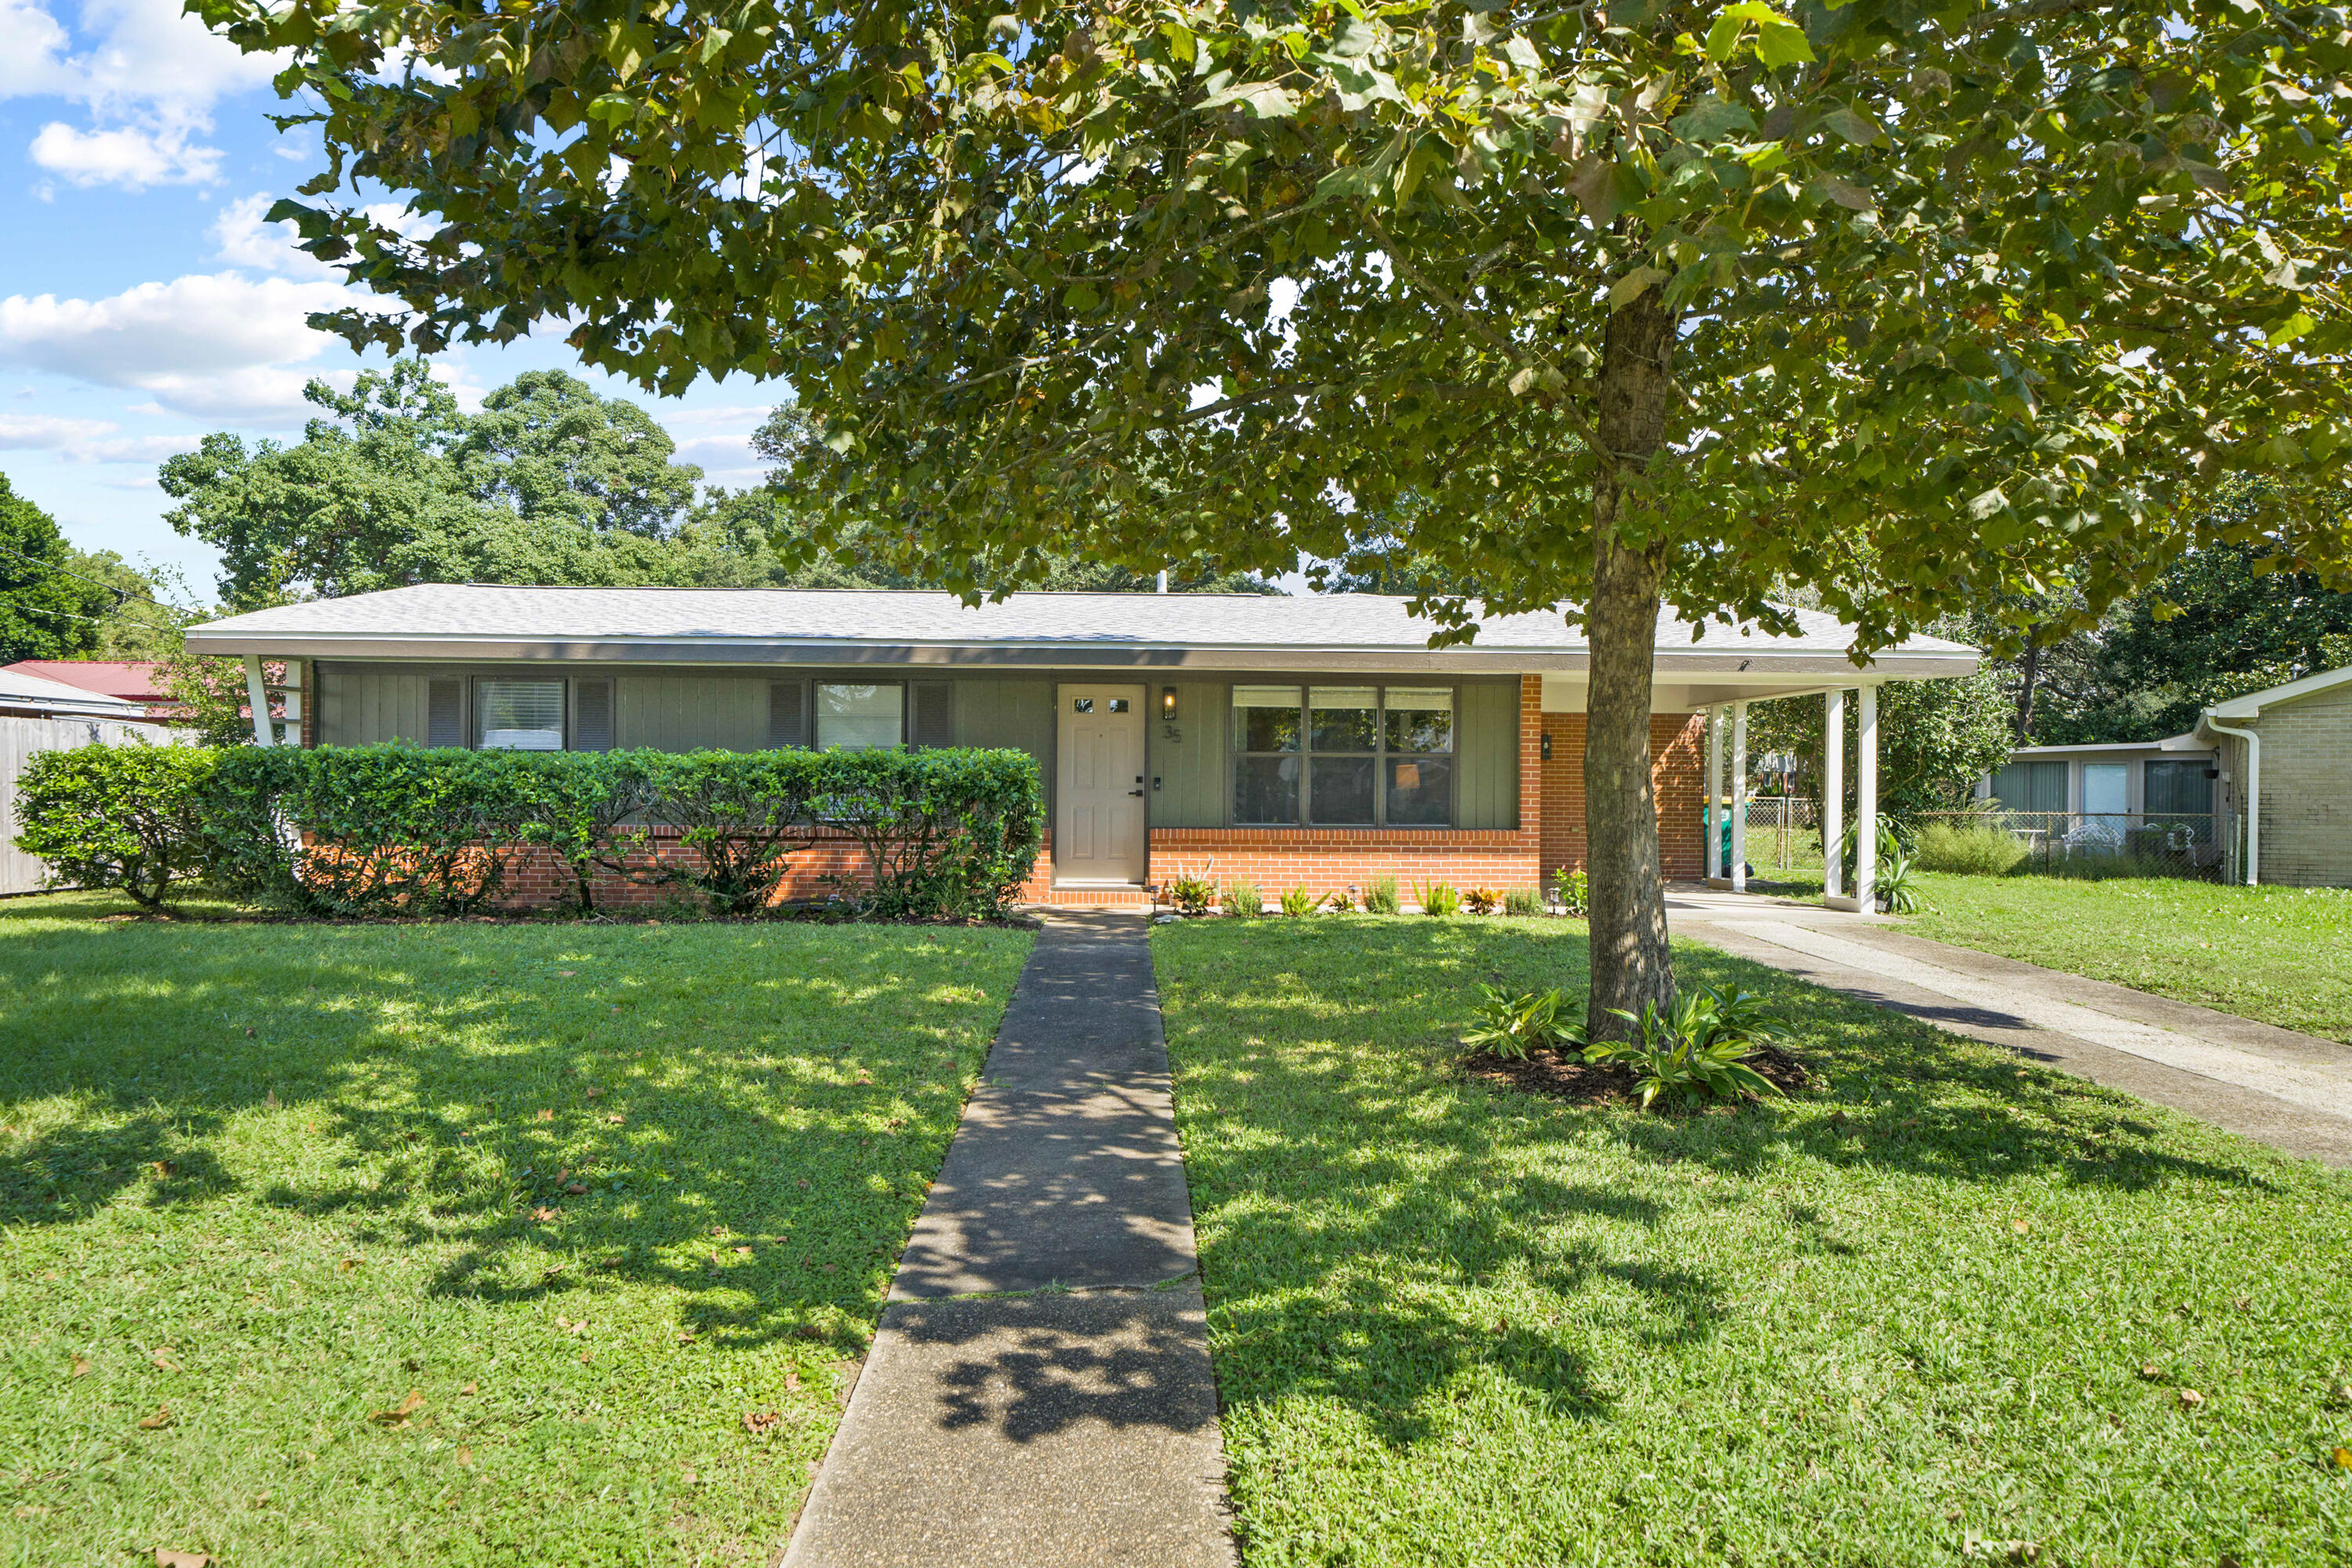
(139, 682)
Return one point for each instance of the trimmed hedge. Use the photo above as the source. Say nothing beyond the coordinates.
(402, 830)
(117, 817)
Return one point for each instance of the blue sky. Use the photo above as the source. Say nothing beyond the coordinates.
(144, 302)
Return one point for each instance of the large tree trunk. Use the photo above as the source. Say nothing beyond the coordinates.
(1631, 964)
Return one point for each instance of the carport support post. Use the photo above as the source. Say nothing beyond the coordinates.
(1832, 793)
(1715, 779)
(1739, 797)
(1865, 804)
(264, 732)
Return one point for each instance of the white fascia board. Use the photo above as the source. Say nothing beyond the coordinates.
(2251, 706)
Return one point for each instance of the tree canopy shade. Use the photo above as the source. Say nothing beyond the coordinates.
(1915, 300)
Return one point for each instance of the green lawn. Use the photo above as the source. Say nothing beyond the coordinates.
(594, 1193)
(2280, 954)
(1954, 1304)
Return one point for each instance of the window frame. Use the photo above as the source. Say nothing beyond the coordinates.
(816, 685)
(1382, 756)
(473, 717)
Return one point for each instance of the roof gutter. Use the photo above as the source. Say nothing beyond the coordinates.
(2253, 793)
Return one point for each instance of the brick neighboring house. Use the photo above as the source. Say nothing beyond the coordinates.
(138, 682)
(1315, 740)
(2285, 759)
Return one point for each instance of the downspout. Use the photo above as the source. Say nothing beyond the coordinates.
(2253, 795)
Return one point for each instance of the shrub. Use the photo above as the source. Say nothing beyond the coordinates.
(1969, 849)
(1191, 895)
(1511, 1027)
(130, 817)
(1380, 896)
(378, 830)
(1573, 888)
(1298, 901)
(1697, 1050)
(1438, 899)
(1483, 901)
(1339, 903)
(1524, 901)
(1243, 898)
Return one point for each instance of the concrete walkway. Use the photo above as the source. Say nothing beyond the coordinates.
(2293, 1091)
(1039, 1392)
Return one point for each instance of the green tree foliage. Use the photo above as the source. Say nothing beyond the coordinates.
(394, 485)
(1934, 737)
(1922, 304)
(46, 610)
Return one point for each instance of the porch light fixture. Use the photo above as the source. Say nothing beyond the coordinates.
(1167, 702)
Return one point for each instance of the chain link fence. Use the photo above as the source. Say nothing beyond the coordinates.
(1784, 835)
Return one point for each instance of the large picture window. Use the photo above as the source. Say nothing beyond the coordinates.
(1343, 756)
(519, 715)
(853, 718)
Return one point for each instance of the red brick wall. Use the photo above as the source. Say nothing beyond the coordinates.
(536, 879)
(1675, 767)
(1333, 859)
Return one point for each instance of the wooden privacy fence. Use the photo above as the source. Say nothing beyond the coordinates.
(20, 741)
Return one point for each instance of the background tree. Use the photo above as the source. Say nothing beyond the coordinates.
(46, 610)
(1935, 738)
(1647, 302)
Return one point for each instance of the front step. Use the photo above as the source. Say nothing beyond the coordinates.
(1112, 898)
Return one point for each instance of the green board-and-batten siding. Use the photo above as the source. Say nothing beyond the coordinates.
(364, 704)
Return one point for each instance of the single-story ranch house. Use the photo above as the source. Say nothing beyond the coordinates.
(1315, 740)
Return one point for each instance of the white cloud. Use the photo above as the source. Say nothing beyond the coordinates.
(246, 239)
(147, 74)
(86, 440)
(126, 156)
(211, 344)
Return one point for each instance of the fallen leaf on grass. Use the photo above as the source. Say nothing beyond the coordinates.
(2021, 1226)
(759, 1423)
(2190, 1398)
(399, 1413)
(544, 1215)
(2151, 1372)
(465, 1455)
(792, 1383)
(2343, 1458)
(547, 1116)
(167, 1558)
(162, 1357)
(470, 1389)
(348, 1264)
(615, 1118)
(742, 1252)
(157, 1422)
(595, 1093)
(164, 1170)
(584, 1356)
(81, 1366)
(569, 1327)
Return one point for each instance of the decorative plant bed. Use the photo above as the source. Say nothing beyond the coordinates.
(1565, 1075)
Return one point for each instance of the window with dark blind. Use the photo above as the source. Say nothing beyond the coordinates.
(592, 716)
(932, 721)
(784, 722)
(445, 714)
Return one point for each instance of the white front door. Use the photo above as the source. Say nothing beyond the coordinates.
(1098, 822)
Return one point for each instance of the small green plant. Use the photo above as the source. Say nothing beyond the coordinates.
(1574, 891)
(1298, 901)
(1243, 898)
(1511, 1027)
(1338, 903)
(1524, 901)
(1191, 895)
(1380, 896)
(1897, 892)
(1483, 901)
(1697, 1050)
(1438, 899)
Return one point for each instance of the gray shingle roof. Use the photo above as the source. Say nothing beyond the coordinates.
(451, 616)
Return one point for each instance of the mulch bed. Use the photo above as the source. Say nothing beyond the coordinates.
(1570, 1078)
